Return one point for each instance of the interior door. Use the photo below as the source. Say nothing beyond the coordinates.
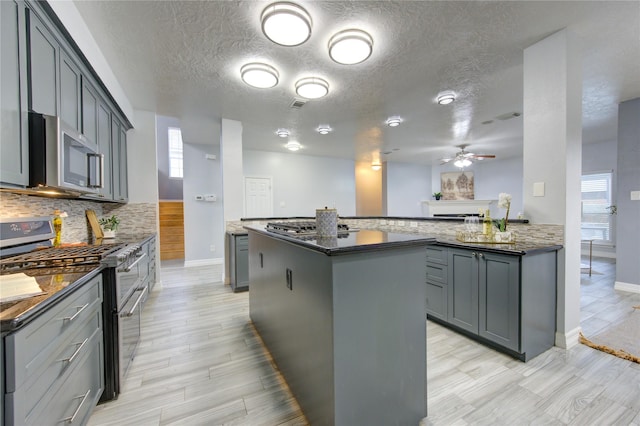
(257, 197)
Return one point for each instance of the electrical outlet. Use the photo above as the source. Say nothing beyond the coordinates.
(413, 224)
(401, 223)
(212, 248)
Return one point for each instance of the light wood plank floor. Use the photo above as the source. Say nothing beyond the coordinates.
(199, 363)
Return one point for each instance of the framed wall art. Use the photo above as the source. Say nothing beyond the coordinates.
(457, 185)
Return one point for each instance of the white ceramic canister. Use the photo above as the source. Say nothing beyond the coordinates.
(327, 222)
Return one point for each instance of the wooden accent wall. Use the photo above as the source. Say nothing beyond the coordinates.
(171, 230)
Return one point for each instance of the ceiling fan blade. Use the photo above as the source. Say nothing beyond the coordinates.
(481, 156)
(445, 160)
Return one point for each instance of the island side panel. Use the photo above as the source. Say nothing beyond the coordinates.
(295, 323)
(379, 302)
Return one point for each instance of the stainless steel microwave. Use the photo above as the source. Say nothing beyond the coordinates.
(62, 162)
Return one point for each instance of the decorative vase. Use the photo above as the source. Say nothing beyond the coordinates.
(503, 237)
(108, 233)
(437, 197)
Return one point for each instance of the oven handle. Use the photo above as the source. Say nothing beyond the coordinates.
(135, 305)
(128, 268)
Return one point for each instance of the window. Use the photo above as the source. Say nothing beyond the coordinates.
(175, 153)
(596, 198)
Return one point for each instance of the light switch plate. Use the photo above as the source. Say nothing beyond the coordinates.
(635, 195)
(538, 189)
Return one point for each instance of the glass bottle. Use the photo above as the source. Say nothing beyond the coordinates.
(486, 223)
(57, 228)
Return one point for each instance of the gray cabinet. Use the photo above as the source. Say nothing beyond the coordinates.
(13, 120)
(70, 92)
(119, 170)
(54, 366)
(437, 283)
(505, 300)
(239, 262)
(43, 55)
(148, 266)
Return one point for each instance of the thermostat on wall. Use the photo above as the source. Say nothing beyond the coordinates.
(210, 197)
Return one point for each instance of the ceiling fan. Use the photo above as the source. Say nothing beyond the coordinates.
(465, 158)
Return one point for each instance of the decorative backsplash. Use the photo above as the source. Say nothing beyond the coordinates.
(525, 232)
(134, 217)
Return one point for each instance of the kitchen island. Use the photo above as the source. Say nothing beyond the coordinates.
(345, 321)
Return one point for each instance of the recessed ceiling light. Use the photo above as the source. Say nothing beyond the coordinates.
(312, 87)
(293, 146)
(259, 75)
(324, 129)
(445, 98)
(350, 47)
(376, 165)
(286, 24)
(283, 133)
(394, 121)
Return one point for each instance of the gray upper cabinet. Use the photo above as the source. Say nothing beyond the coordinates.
(89, 112)
(70, 92)
(43, 58)
(119, 170)
(13, 120)
(103, 130)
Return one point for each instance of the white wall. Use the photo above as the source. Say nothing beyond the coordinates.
(168, 188)
(302, 184)
(203, 222)
(405, 187)
(141, 159)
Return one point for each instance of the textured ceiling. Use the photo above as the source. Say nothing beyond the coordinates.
(182, 59)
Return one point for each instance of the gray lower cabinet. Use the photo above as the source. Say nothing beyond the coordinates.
(54, 366)
(437, 282)
(13, 120)
(148, 265)
(507, 301)
(239, 262)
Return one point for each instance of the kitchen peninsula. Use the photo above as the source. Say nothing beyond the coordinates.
(345, 321)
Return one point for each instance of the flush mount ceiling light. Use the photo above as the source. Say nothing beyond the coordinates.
(324, 129)
(376, 165)
(463, 162)
(293, 146)
(445, 98)
(394, 121)
(286, 24)
(312, 87)
(261, 76)
(350, 47)
(283, 133)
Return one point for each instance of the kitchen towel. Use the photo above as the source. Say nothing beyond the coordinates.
(327, 222)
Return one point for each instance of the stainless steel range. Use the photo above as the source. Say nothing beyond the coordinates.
(303, 230)
(25, 247)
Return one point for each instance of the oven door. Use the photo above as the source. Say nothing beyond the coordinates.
(129, 330)
(129, 279)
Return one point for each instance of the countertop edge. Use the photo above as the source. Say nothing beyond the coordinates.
(9, 326)
(498, 248)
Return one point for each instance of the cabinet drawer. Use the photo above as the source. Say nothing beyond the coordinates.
(77, 395)
(437, 300)
(437, 273)
(242, 242)
(28, 348)
(437, 254)
(70, 353)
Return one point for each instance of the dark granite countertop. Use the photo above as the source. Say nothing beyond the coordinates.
(368, 239)
(353, 241)
(55, 283)
(457, 218)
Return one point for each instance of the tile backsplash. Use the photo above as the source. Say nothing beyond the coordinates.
(135, 218)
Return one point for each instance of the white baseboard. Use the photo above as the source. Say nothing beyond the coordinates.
(203, 262)
(568, 339)
(631, 288)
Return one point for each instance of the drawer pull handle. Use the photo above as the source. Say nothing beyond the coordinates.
(74, 316)
(77, 351)
(75, 413)
(135, 305)
(130, 267)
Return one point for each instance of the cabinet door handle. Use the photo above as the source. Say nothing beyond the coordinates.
(480, 255)
(75, 413)
(74, 316)
(289, 279)
(473, 253)
(77, 351)
(261, 260)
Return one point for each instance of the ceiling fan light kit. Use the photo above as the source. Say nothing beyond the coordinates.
(464, 158)
(259, 75)
(286, 24)
(350, 47)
